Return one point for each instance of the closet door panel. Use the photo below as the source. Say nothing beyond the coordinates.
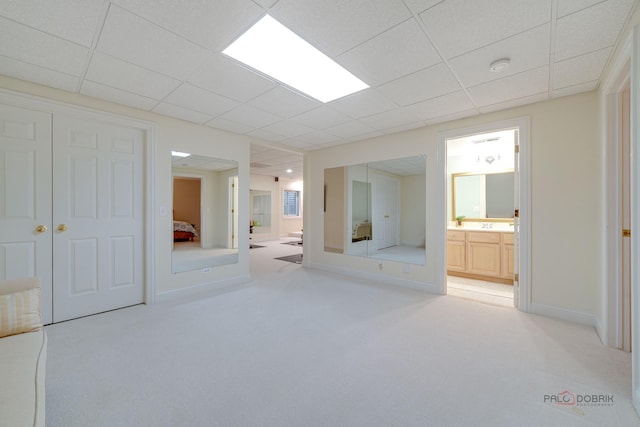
(25, 198)
(99, 204)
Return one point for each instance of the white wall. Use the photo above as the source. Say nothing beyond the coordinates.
(566, 195)
(171, 134)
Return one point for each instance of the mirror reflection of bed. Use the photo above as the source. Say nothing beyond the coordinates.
(204, 212)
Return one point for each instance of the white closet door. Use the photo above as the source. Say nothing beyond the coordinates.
(97, 217)
(25, 198)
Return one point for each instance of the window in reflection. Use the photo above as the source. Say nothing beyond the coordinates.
(205, 212)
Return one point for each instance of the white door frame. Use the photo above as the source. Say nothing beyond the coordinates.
(56, 107)
(523, 126)
(611, 333)
(635, 219)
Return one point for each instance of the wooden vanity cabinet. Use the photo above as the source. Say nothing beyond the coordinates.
(485, 255)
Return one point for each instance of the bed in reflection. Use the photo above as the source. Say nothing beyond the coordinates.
(361, 231)
(183, 231)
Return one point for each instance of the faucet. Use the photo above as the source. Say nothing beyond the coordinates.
(487, 225)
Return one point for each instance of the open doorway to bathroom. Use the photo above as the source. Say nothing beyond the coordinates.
(481, 207)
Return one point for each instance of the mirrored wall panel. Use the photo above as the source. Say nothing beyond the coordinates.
(483, 196)
(260, 208)
(205, 212)
(377, 210)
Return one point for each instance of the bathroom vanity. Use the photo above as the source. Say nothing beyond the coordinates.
(480, 254)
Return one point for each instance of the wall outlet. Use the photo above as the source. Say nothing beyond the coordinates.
(206, 270)
(380, 265)
(405, 268)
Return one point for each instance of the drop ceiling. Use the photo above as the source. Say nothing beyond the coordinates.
(426, 61)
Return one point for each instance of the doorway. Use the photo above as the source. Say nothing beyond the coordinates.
(486, 222)
(619, 212)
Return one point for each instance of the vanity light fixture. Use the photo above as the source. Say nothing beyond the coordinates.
(180, 154)
(499, 65)
(274, 50)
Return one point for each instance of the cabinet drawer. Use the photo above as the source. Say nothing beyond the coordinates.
(507, 238)
(481, 237)
(455, 235)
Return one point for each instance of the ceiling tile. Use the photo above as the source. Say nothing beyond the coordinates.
(212, 24)
(321, 118)
(391, 119)
(288, 129)
(35, 47)
(397, 52)
(351, 129)
(266, 135)
(590, 29)
(319, 137)
(251, 116)
(424, 84)
(459, 26)
(226, 77)
(140, 42)
(118, 96)
(44, 76)
(442, 106)
(119, 74)
(402, 128)
(284, 102)
(572, 90)
(565, 7)
(363, 103)
(194, 98)
(531, 99)
(512, 87)
(583, 68)
(525, 50)
(230, 126)
(334, 26)
(181, 113)
(454, 116)
(418, 6)
(73, 20)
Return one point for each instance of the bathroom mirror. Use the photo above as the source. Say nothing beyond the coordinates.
(377, 210)
(483, 196)
(205, 212)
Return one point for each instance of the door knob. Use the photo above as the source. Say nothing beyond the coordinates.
(62, 227)
(41, 229)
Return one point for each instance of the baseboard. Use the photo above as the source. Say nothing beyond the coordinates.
(601, 330)
(564, 314)
(375, 277)
(201, 288)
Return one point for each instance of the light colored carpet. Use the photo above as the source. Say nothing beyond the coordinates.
(299, 347)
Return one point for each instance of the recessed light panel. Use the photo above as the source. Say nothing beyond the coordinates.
(180, 154)
(278, 52)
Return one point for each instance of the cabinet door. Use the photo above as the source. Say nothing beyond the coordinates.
(507, 261)
(456, 259)
(484, 258)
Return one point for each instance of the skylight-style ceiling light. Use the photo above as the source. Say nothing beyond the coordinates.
(179, 154)
(278, 52)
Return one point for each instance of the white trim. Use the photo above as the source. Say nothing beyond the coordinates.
(32, 102)
(580, 317)
(523, 124)
(635, 218)
(431, 288)
(202, 288)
